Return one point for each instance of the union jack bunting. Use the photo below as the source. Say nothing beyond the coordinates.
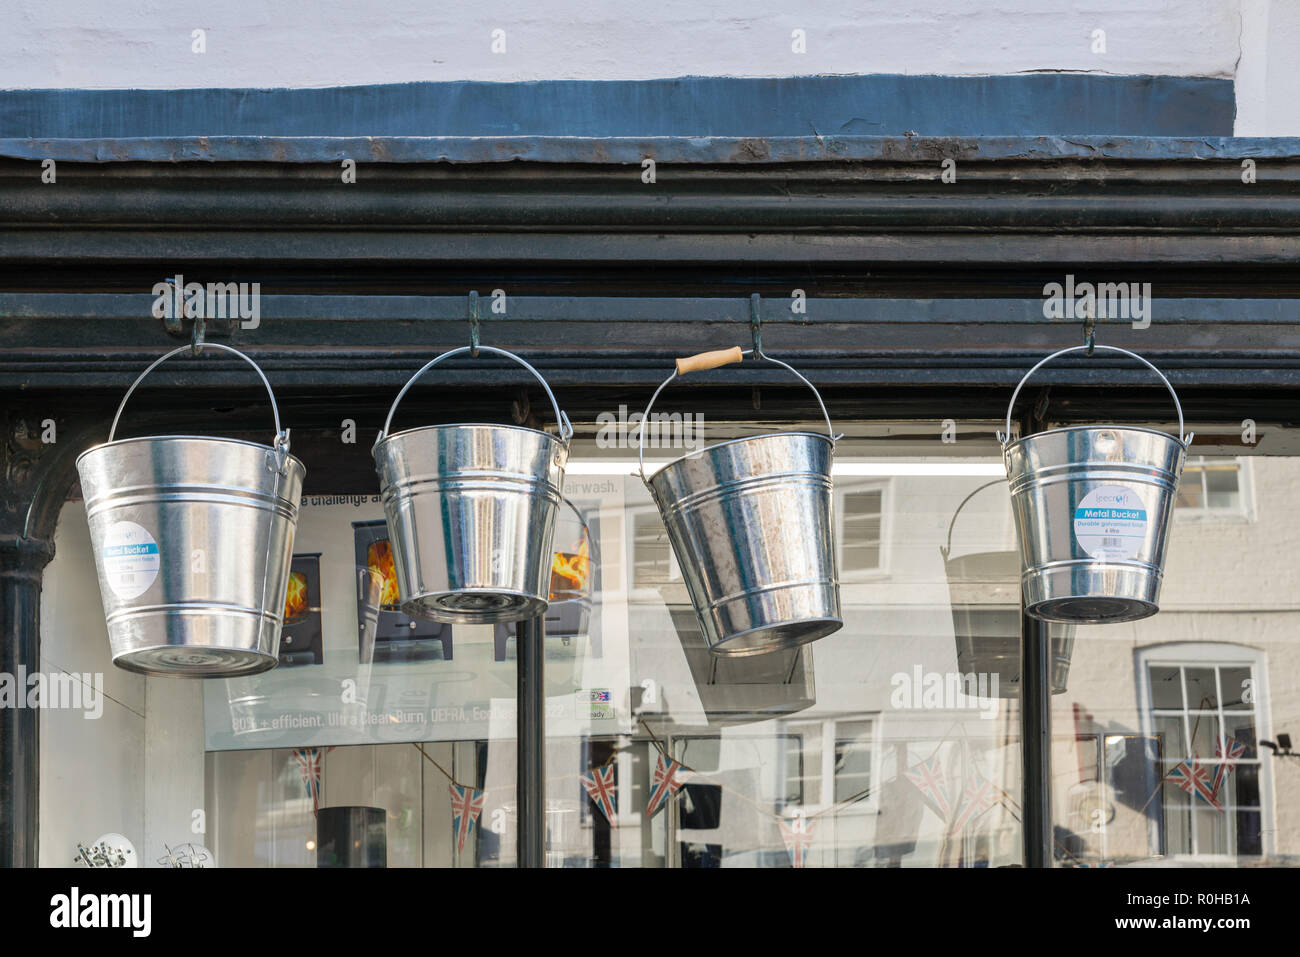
(311, 766)
(1195, 779)
(929, 779)
(1236, 749)
(664, 784)
(977, 796)
(466, 806)
(797, 835)
(599, 785)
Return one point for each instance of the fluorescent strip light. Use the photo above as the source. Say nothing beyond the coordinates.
(849, 469)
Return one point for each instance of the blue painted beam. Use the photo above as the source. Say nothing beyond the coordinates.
(809, 106)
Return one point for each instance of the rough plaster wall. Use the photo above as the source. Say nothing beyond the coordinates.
(305, 43)
(1268, 81)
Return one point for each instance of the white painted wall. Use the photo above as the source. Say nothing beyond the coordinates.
(1268, 82)
(71, 44)
(313, 43)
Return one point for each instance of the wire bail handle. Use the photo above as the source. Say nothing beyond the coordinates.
(566, 429)
(1005, 437)
(713, 360)
(947, 550)
(281, 441)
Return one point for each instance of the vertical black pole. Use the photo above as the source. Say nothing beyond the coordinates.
(530, 780)
(1036, 740)
(21, 563)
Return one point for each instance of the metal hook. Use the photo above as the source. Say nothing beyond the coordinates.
(473, 324)
(1090, 331)
(756, 324)
(200, 331)
(172, 316)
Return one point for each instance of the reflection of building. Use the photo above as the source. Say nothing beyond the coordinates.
(1217, 667)
(1188, 689)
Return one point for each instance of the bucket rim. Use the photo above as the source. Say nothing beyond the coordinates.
(475, 425)
(202, 438)
(748, 438)
(1091, 428)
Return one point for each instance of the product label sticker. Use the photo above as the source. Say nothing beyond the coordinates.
(600, 703)
(1110, 523)
(130, 559)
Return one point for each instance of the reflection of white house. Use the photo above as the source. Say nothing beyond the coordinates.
(1222, 623)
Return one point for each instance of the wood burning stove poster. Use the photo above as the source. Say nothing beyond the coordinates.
(355, 670)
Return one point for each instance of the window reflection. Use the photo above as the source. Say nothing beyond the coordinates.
(1191, 692)
(894, 742)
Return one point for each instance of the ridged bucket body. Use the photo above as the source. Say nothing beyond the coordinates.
(193, 539)
(984, 592)
(1093, 507)
(471, 513)
(750, 524)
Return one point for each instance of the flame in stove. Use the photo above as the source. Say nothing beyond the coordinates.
(295, 600)
(570, 571)
(379, 558)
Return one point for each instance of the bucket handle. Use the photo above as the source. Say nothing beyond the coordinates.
(593, 551)
(281, 442)
(566, 429)
(953, 524)
(713, 360)
(1005, 437)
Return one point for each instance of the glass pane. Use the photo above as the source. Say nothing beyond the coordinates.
(853, 755)
(1205, 734)
(1202, 691)
(1222, 488)
(339, 756)
(1243, 786)
(1214, 796)
(1211, 832)
(892, 742)
(1191, 492)
(1166, 688)
(1237, 685)
(1241, 726)
(1169, 729)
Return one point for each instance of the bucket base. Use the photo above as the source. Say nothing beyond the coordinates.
(476, 606)
(1092, 610)
(776, 637)
(176, 661)
(1092, 593)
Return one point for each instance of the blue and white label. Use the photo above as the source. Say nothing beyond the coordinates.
(1111, 523)
(129, 560)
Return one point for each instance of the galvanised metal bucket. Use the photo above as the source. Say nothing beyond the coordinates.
(471, 512)
(750, 523)
(1093, 506)
(984, 595)
(193, 539)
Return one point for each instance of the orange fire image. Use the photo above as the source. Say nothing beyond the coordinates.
(570, 571)
(379, 557)
(295, 600)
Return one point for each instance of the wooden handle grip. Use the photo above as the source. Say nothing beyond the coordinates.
(709, 360)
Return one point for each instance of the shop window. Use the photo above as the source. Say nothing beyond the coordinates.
(767, 741)
(1204, 702)
(1215, 489)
